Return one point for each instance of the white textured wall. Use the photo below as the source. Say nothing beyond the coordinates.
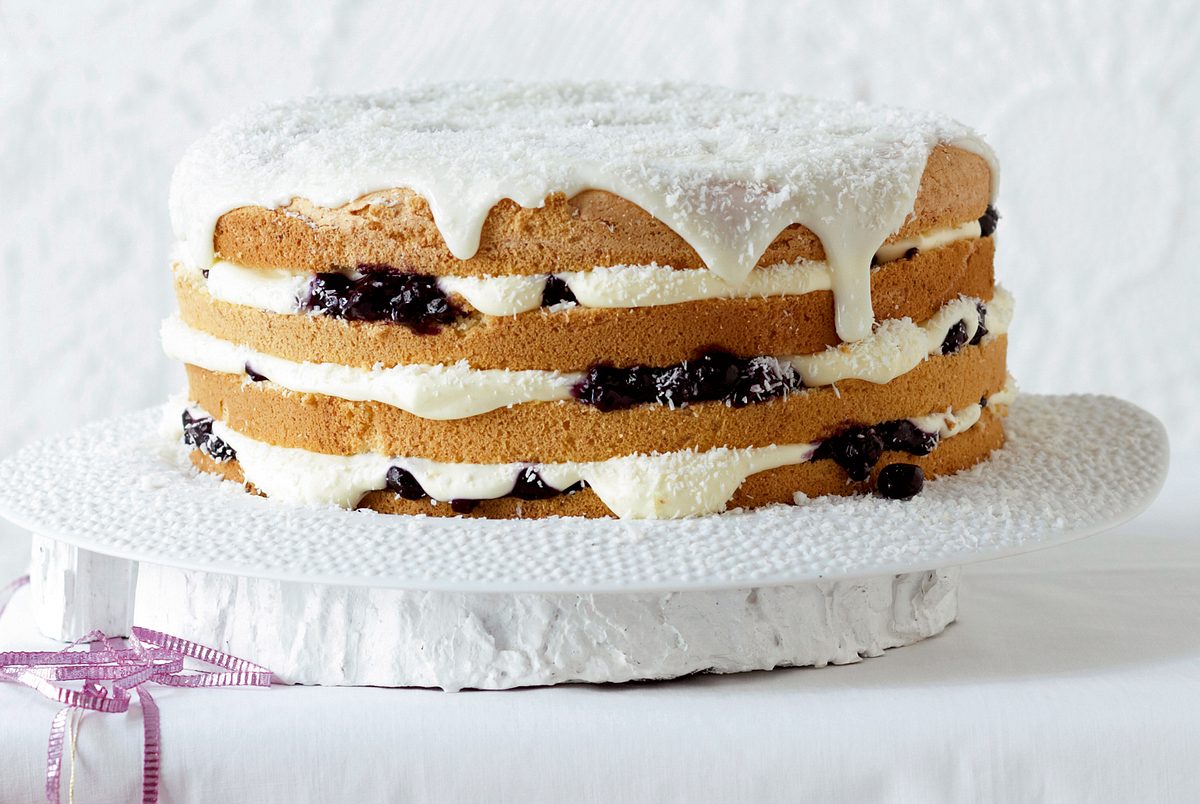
(1093, 109)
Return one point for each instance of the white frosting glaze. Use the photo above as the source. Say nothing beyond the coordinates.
(726, 170)
(457, 391)
(618, 286)
(656, 486)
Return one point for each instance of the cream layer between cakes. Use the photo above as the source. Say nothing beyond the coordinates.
(456, 391)
(281, 291)
(664, 485)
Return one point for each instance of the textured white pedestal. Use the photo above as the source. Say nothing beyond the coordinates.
(352, 635)
(78, 591)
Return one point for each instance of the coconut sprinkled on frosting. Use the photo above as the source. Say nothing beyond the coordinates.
(726, 170)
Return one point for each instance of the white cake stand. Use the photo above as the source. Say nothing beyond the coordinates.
(125, 530)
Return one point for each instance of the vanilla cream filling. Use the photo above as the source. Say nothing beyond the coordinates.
(431, 392)
(655, 486)
(619, 286)
(952, 422)
(457, 391)
(928, 241)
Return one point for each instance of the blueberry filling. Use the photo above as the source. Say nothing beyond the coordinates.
(197, 432)
(912, 252)
(254, 375)
(900, 481)
(529, 485)
(858, 449)
(955, 338)
(903, 436)
(987, 224)
(403, 483)
(981, 330)
(382, 294)
(714, 376)
(557, 292)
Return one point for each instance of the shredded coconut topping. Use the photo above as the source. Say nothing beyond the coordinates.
(726, 170)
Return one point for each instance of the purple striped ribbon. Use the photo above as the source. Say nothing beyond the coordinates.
(110, 675)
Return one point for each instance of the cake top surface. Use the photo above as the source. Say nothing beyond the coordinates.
(727, 170)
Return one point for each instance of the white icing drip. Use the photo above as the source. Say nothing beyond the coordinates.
(726, 170)
(659, 486)
(618, 286)
(928, 241)
(898, 345)
(458, 391)
(431, 392)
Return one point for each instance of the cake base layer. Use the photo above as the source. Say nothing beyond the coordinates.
(780, 485)
(396, 638)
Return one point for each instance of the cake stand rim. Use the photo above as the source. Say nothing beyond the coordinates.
(13, 513)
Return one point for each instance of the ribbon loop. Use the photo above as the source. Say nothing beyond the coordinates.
(151, 656)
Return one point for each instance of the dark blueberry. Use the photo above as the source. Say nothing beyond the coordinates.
(530, 486)
(205, 272)
(671, 386)
(574, 487)
(372, 298)
(382, 294)
(197, 432)
(404, 484)
(713, 376)
(609, 388)
(955, 338)
(556, 292)
(761, 379)
(710, 376)
(856, 451)
(987, 224)
(254, 375)
(912, 252)
(981, 330)
(219, 450)
(900, 481)
(328, 293)
(983, 401)
(463, 506)
(196, 429)
(904, 436)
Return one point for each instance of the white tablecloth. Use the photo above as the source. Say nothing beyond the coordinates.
(1072, 675)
